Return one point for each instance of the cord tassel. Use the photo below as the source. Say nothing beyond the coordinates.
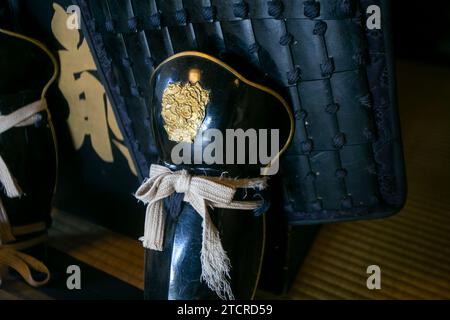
(200, 192)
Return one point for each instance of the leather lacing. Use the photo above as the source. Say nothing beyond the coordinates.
(181, 17)
(286, 39)
(311, 9)
(275, 9)
(209, 13)
(240, 9)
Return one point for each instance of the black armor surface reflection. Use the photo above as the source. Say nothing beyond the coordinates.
(233, 103)
(29, 151)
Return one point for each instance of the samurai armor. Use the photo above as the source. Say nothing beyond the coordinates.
(334, 69)
(95, 151)
(346, 159)
(196, 102)
(27, 155)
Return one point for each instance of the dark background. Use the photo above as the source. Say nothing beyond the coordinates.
(422, 30)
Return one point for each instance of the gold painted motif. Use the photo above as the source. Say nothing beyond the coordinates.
(91, 114)
(183, 108)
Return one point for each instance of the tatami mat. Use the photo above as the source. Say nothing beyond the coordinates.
(114, 254)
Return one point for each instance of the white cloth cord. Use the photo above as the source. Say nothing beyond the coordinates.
(200, 192)
(16, 118)
(9, 256)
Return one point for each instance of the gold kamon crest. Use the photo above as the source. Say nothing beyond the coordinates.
(183, 110)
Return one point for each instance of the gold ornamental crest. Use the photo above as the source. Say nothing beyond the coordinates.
(183, 108)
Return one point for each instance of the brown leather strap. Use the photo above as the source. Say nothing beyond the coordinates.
(24, 263)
